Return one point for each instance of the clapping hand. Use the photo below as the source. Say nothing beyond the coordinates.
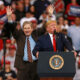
(9, 11)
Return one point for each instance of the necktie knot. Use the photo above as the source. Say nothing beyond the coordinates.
(27, 38)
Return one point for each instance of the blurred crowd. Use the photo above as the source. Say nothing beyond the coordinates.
(36, 12)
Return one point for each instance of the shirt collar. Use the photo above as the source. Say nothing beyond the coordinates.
(51, 35)
(29, 37)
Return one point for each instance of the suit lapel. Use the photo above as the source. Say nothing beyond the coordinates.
(24, 39)
(57, 42)
(49, 41)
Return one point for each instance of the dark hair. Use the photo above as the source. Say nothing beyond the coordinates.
(27, 22)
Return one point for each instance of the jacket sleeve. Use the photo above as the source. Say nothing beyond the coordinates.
(11, 27)
(66, 42)
(37, 47)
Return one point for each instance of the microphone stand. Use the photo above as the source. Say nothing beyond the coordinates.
(4, 54)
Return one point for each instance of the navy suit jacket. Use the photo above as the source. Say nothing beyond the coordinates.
(44, 43)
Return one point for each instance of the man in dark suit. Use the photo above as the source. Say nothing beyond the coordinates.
(52, 42)
(25, 62)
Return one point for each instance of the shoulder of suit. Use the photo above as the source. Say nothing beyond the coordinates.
(61, 35)
(64, 36)
(43, 37)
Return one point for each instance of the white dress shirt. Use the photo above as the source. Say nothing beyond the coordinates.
(51, 37)
(0, 31)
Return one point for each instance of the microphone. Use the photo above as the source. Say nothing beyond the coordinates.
(55, 33)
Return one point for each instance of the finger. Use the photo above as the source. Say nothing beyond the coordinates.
(7, 8)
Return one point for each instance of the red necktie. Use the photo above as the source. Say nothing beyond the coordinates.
(54, 43)
(29, 51)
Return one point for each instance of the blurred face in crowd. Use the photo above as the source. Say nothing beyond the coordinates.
(13, 17)
(18, 26)
(32, 9)
(12, 52)
(8, 45)
(2, 7)
(61, 20)
(13, 6)
(73, 1)
(27, 2)
(34, 25)
(20, 6)
(28, 15)
(7, 66)
(58, 29)
(44, 15)
(1, 26)
(27, 28)
(77, 21)
(65, 22)
(51, 27)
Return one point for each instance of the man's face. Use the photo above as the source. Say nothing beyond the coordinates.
(77, 21)
(51, 27)
(12, 52)
(73, 1)
(8, 45)
(27, 29)
(1, 7)
(28, 15)
(13, 17)
(20, 6)
(34, 25)
(61, 20)
(27, 1)
(1, 26)
(7, 66)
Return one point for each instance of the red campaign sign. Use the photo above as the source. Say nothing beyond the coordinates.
(1, 44)
(58, 4)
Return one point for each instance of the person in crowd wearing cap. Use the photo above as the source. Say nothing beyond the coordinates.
(8, 43)
(52, 42)
(8, 74)
(3, 16)
(11, 56)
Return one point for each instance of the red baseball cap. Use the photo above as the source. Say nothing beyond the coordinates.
(1, 22)
(6, 62)
(8, 41)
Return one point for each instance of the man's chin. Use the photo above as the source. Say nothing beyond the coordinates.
(27, 35)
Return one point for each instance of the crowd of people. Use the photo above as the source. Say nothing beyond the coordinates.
(35, 18)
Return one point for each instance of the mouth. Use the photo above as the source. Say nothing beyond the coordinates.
(26, 32)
